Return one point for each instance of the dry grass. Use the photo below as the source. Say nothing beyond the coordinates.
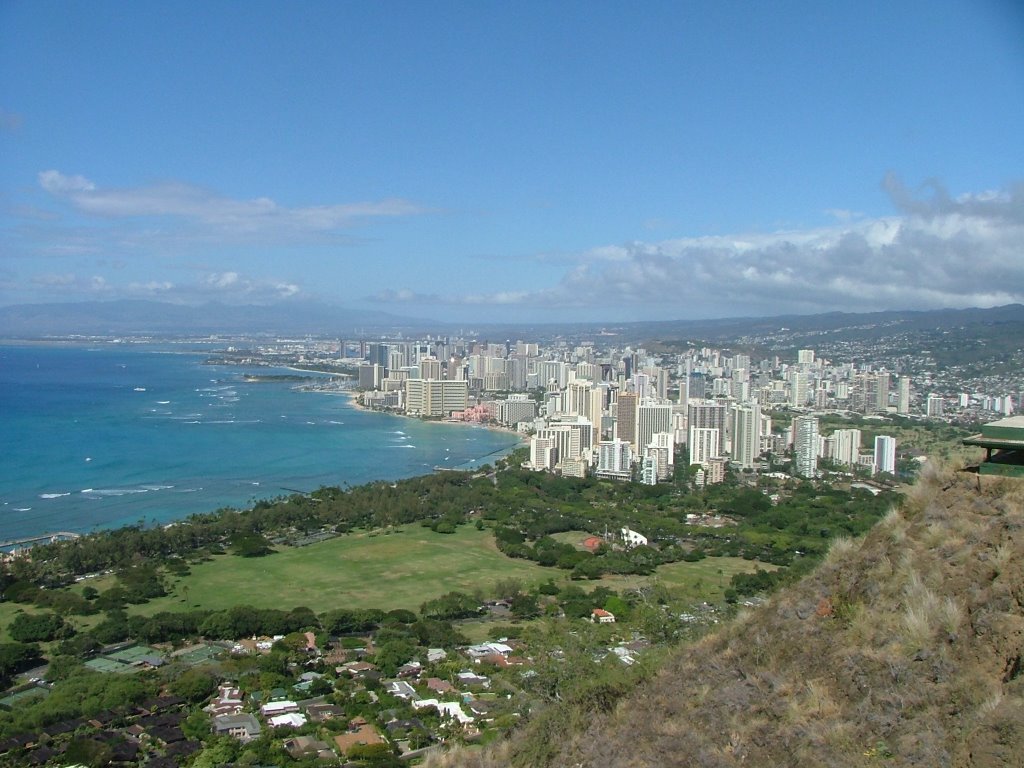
(871, 660)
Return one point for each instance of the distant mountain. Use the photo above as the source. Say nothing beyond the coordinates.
(142, 318)
(148, 318)
(753, 330)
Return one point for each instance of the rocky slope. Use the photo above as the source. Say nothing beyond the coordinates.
(905, 648)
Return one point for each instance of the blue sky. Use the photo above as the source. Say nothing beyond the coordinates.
(539, 161)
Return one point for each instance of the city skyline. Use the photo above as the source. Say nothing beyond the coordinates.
(483, 162)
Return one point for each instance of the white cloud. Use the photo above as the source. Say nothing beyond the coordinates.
(213, 214)
(232, 286)
(939, 252)
(58, 184)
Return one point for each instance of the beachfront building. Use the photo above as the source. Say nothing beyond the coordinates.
(435, 397)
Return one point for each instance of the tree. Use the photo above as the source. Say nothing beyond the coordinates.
(196, 684)
(38, 627)
(525, 606)
(15, 657)
(87, 751)
(251, 544)
(197, 725)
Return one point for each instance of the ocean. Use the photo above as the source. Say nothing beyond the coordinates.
(107, 435)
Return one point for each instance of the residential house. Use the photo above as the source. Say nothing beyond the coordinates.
(438, 685)
(359, 732)
(401, 689)
(601, 616)
(274, 708)
(290, 720)
(244, 727)
(450, 709)
(306, 746)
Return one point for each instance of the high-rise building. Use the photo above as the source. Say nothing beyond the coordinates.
(885, 455)
(805, 357)
(625, 417)
(662, 447)
(651, 418)
(649, 471)
(846, 446)
(377, 354)
(798, 391)
(710, 416)
(543, 453)
(703, 444)
(746, 435)
(903, 404)
(515, 409)
(578, 400)
(615, 460)
(370, 376)
(567, 440)
(805, 446)
(430, 368)
(934, 406)
(435, 397)
(876, 398)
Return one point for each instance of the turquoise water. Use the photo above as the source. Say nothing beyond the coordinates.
(112, 435)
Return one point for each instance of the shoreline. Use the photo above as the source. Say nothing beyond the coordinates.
(159, 507)
(353, 397)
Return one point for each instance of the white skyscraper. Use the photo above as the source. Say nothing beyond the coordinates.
(798, 392)
(805, 446)
(703, 444)
(846, 446)
(903, 404)
(746, 435)
(615, 459)
(885, 454)
(651, 418)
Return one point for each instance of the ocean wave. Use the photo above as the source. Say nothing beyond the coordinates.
(53, 495)
(163, 402)
(22, 509)
(113, 491)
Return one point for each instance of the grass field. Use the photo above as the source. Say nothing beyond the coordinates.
(397, 570)
(401, 569)
(704, 580)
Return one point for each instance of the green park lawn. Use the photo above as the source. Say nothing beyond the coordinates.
(704, 580)
(401, 569)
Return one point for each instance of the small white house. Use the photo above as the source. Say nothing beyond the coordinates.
(632, 538)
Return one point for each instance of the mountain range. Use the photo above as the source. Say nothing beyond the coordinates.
(149, 318)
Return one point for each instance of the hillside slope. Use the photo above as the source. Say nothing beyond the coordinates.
(903, 649)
